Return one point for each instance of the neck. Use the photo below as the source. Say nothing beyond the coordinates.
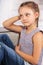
(31, 27)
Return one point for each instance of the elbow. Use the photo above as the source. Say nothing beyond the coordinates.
(4, 24)
(35, 62)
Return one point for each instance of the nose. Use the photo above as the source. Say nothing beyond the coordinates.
(24, 18)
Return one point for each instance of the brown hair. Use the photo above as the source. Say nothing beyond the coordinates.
(32, 5)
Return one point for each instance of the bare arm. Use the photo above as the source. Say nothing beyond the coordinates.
(9, 24)
(36, 52)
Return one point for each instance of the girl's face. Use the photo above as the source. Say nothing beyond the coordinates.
(27, 16)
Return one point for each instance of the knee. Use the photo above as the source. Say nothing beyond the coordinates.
(4, 36)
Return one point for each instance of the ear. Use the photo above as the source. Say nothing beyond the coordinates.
(36, 14)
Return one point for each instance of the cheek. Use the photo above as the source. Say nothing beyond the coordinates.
(32, 18)
(30, 22)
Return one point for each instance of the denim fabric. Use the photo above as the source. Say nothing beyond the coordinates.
(6, 40)
(9, 56)
(1, 53)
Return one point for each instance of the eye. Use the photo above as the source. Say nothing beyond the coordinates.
(27, 14)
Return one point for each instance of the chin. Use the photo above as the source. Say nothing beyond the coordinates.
(26, 25)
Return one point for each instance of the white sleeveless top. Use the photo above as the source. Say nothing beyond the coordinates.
(27, 44)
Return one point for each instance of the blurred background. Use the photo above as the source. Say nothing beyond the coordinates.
(9, 8)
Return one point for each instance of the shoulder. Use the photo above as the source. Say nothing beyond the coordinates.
(38, 37)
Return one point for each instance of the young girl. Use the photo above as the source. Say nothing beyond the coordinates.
(30, 45)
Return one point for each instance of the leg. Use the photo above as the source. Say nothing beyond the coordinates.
(1, 53)
(11, 57)
(6, 40)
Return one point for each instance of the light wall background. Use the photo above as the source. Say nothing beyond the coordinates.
(9, 8)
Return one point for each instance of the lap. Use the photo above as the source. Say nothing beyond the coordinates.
(12, 55)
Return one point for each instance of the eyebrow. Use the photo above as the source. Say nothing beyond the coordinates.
(25, 13)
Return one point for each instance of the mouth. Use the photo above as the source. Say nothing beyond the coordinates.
(24, 21)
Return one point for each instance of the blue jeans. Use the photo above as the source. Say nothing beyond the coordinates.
(7, 54)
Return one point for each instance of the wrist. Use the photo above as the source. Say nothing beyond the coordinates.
(17, 51)
(17, 17)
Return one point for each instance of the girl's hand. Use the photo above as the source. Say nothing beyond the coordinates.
(17, 48)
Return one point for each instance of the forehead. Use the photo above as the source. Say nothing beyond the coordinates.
(25, 9)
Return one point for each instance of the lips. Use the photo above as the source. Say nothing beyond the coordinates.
(24, 22)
